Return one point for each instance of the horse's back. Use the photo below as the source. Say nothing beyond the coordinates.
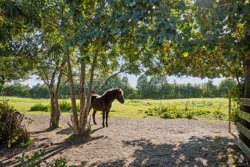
(95, 102)
(93, 97)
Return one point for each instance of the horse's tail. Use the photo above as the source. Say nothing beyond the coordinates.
(93, 97)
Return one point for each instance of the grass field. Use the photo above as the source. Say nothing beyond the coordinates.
(140, 108)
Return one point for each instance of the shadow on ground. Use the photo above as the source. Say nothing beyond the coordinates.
(207, 151)
(49, 151)
(68, 131)
(198, 151)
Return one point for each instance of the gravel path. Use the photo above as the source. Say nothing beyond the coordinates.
(135, 142)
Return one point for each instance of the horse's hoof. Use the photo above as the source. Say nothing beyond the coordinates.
(95, 123)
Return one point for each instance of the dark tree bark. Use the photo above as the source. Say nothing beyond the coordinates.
(72, 93)
(82, 92)
(92, 70)
(247, 63)
(247, 78)
(55, 111)
(54, 102)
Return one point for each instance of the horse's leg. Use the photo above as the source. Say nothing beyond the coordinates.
(107, 115)
(94, 117)
(103, 117)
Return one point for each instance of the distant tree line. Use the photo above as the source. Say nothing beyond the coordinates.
(156, 87)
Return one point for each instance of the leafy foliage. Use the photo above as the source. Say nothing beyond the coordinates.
(175, 112)
(39, 107)
(17, 54)
(65, 106)
(158, 87)
(26, 160)
(194, 109)
(31, 160)
(11, 130)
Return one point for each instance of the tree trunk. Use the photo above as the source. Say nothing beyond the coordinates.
(55, 111)
(52, 112)
(82, 92)
(90, 85)
(247, 78)
(72, 93)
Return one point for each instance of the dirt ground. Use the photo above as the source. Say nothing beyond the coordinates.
(135, 142)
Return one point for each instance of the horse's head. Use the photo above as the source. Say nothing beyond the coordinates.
(119, 95)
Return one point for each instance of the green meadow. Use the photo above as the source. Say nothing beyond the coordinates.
(195, 107)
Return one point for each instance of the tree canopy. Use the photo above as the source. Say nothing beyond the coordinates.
(104, 38)
(176, 37)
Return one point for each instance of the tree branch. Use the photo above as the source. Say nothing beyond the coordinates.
(107, 80)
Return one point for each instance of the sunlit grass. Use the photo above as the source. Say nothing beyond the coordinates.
(133, 108)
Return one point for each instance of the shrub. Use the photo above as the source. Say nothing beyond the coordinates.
(200, 112)
(218, 114)
(150, 112)
(235, 117)
(39, 107)
(167, 115)
(235, 111)
(165, 112)
(65, 106)
(189, 115)
(32, 160)
(11, 130)
(174, 112)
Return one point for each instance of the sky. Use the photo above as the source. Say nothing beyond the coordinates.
(179, 80)
(133, 80)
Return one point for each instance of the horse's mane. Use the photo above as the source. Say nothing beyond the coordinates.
(112, 90)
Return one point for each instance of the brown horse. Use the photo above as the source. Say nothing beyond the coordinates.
(103, 103)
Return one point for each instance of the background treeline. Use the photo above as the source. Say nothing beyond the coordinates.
(156, 87)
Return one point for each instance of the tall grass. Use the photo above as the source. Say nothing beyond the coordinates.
(200, 107)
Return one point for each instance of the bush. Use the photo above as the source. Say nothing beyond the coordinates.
(65, 106)
(11, 130)
(174, 112)
(39, 107)
(235, 111)
(167, 115)
(33, 160)
(189, 115)
(235, 117)
(200, 112)
(166, 112)
(218, 115)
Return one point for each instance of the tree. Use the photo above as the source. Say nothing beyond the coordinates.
(225, 86)
(16, 89)
(52, 76)
(51, 66)
(197, 38)
(39, 91)
(213, 42)
(209, 89)
(224, 32)
(97, 29)
(17, 55)
(142, 84)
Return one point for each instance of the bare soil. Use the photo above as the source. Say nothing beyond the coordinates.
(134, 142)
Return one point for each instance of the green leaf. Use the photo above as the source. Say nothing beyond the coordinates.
(185, 54)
